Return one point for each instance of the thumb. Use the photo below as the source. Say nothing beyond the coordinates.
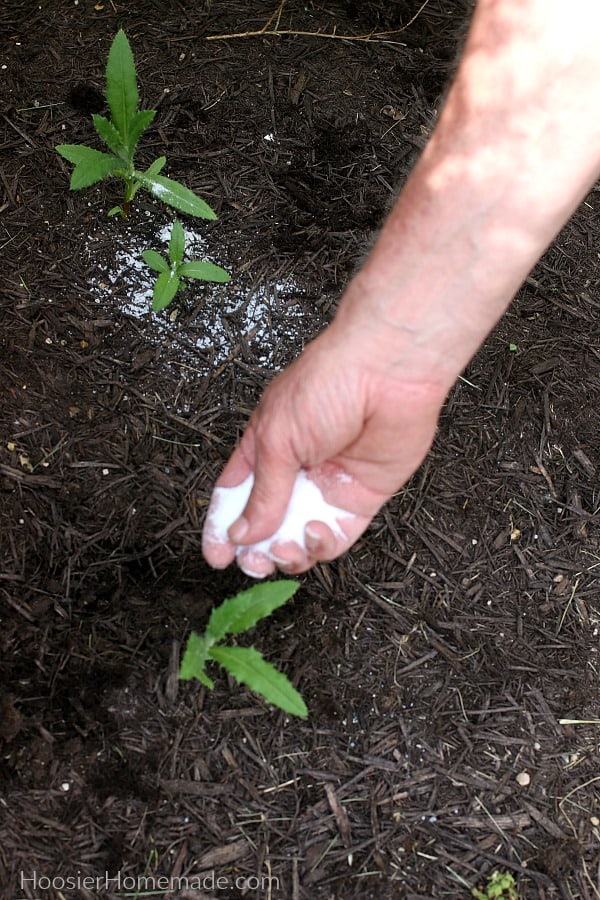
(264, 512)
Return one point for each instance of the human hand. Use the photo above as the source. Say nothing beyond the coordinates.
(342, 424)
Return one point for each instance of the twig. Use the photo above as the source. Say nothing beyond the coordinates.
(373, 37)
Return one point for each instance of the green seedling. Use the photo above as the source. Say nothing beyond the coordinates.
(500, 886)
(121, 134)
(172, 271)
(246, 664)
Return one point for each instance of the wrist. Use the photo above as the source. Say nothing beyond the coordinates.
(416, 328)
(405, 350)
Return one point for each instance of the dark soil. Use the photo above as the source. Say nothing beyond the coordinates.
(440, 657)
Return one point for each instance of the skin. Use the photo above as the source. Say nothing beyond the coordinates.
(515, 150)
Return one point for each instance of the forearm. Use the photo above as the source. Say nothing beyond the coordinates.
(515, 150)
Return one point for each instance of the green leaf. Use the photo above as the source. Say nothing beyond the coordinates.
(116, 210)
(177, 242)
(248, 667)
(206, 681)
(157, 166)
(205, 271)
(134, 187)
(110, 136)
(121, 86)
(90, 165)
(155, 261)
(166, 286)
(194, 659)
(247, 608)
(138, 124)
(174, 194)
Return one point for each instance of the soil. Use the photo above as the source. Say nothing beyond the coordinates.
(439, 658)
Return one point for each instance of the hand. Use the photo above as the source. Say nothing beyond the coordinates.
(359, 429)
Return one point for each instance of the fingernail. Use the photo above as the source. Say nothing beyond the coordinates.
(238, 530)
(279, 561)
(247, 571)
(311, 538)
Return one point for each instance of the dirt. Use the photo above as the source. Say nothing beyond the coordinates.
(449, 661)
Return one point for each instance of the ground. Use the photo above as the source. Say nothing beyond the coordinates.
(441, 657)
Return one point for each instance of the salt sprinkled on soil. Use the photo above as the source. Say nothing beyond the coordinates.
(307, 504)
(267, 317)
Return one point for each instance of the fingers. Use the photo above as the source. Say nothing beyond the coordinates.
(248, 504)
(321, 543)
(312, 529)
(268, 500)
(226, 505)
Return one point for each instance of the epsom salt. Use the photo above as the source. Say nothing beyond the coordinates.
(307, 504)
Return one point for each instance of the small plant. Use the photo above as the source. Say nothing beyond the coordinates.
(500, 886)
(170, 273)
(121, 135)
(246, 664)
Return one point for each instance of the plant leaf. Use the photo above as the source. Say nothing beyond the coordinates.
(135, 186)
(194, 659)
(177, 242)
(166, 286)
(157, 166)
(110, 136)
(245, 609)
(121, 86)
(205, 271)
(249, 667)
(138, 124)
(174, 194)
(90, 165)
(155, 261)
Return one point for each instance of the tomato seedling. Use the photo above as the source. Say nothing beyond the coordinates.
(121, 134)
(246, 664)
(172, 271)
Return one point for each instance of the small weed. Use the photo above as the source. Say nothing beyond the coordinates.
(246, 664)
(121, 134)
(172, 271)
(500, 886)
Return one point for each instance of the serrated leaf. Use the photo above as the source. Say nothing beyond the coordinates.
(110, 136)
(166, 286)
(90, 165)
(138, 124)
(157, 166)
(121, 85)
(206, 681)
(243, 611)
(194, 659)
(249, 667)
(177, 242)
(176, 195)
(155, 261)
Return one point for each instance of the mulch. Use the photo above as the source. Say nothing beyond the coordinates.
(449, 661)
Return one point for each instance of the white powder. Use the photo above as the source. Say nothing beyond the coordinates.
(159, 190)
(307, 504)
(265, 318)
